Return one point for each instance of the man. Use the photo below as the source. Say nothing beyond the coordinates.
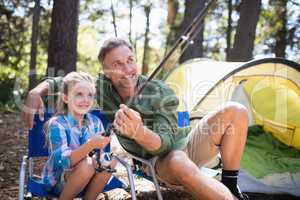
(147, 126)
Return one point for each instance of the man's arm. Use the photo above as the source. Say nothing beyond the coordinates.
(129, 123)
(148, 139)
(34, 102)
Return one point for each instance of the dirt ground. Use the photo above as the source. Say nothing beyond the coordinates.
(13, 141)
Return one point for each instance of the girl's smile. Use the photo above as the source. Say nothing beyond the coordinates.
(79, 99)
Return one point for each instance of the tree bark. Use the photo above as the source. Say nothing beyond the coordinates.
(34, 39)
(245, 34)
(195, 50)
(229, 29)
(130, 21)
(114, 18)
(62, 49)
(281, 34)
(145, 64)
(171, 18)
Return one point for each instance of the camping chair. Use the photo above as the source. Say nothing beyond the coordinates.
(37, 149)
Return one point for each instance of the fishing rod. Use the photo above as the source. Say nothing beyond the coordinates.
(183, 41)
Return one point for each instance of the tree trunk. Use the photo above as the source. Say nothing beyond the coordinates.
(195, 50)
(229, 29)
(245, 34)
(34, 39)
(62, 50)
(281, 34)
(145, 64)
(130, 21)
(114, 18)
(172, 13)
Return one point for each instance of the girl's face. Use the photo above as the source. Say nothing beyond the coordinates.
(80, 98)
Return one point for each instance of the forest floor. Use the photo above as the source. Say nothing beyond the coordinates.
(13, 143)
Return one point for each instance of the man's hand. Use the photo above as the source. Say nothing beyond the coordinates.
(33, 104)
(128, 122)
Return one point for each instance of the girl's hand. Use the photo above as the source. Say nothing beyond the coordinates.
(99, 141)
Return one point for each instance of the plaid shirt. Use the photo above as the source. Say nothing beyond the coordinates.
(64, 136)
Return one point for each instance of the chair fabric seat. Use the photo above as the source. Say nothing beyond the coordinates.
(37, 188)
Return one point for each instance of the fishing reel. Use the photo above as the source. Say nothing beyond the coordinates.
(103, 160)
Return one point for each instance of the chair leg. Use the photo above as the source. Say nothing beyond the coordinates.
(150, 164)
(22, 178)
(156, 184)
(130, 176)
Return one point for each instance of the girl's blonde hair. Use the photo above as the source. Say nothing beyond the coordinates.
(68, 81)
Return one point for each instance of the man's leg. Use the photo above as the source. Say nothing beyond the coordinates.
(224, 130)
(227, 128)
(176, 168)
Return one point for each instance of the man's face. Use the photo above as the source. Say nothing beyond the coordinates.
(120, 67)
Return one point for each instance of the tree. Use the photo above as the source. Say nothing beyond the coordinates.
(145, 64)
(229, 29)
(192, 8)
(245, 33)
(62, 49)
(281, 32)
(113, 14)
(34, 39)
(279, 29)
(130, 21)
(173, 6)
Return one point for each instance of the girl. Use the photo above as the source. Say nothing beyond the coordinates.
(72, 134)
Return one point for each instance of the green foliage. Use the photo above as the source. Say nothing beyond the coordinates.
(11, 82)
(7, 81)
(13, 41)
(12, 35)
(88, 51)
(269, 23)
(15, 34)
(92, 13)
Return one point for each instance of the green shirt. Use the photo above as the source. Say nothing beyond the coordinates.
(157, 105)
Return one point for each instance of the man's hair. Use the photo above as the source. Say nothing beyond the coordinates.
(109, 45)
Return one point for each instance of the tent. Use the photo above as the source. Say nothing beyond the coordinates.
(270, 90)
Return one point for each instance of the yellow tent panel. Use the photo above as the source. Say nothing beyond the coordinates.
(271, 88)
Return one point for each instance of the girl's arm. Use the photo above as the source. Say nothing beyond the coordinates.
(62, 155)
(58, 145)
(96, 141)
